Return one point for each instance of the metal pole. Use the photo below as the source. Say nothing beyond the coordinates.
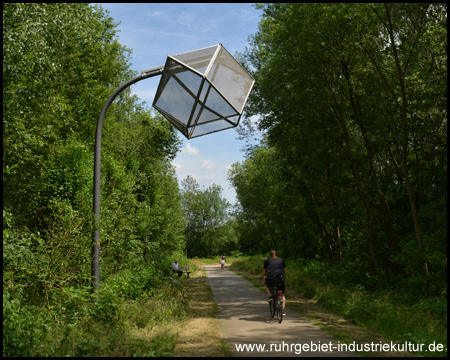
(97, 162)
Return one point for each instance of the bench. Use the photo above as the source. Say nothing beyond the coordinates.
(185, 269)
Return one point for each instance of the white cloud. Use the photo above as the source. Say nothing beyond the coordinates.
(206, 171)
(208, 165)
(156, 14)
(191, 150)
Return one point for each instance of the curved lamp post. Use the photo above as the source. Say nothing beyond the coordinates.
(200, 92)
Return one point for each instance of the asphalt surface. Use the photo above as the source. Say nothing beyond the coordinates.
(250, 331)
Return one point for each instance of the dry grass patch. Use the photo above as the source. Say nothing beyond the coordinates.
(189, 331)
(200, 335)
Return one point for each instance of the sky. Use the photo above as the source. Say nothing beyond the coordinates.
(154, 31)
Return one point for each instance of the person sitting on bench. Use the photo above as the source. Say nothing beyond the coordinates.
(176, 269)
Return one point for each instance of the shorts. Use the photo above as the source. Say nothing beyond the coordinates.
(280, 281)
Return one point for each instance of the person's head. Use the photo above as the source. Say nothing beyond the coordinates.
(273, 254)
(176, 261)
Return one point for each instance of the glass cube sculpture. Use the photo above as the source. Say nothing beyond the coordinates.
(203, 91)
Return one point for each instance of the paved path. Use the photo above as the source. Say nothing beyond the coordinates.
(245, 319)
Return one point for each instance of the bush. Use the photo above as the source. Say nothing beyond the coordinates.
(23, 327)
(130, 284)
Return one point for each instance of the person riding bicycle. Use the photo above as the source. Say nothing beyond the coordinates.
(274, 268)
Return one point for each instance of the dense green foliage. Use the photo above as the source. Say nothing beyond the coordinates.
(353, 101)
(209, 228)
(60, 64)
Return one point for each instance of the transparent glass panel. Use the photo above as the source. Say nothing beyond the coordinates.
(174, 122)
(177, 92)
(234, 119)
(195, 115)
(217, 103)
(162, 83)
(183, 74)
(197, 59)
(205, 89)
(231, 79)
(190, 79)
(206, 116)
(175, 101)
(211, 127)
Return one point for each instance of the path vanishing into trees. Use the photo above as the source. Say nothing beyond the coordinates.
(244, 319)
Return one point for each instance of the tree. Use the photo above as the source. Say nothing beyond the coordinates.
(340, 90)
(269, 211)
(209, 228)
(61, 62)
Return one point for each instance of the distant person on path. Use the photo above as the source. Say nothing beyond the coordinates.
(222, 262)
(274, 268)
(176, 269)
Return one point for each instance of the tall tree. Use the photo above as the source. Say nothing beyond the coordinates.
(340, 89)
(208, 222)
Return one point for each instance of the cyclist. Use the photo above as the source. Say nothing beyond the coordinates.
(274, 268)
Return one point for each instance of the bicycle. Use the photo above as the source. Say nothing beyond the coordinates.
(276, 306)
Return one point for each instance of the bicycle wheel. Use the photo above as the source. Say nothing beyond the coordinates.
(280, 311)
(272, 306)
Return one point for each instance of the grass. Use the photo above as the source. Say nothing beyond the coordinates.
(190, 330)
(199, 335)
(144, 327)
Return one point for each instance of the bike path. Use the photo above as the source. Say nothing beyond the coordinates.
(244, 318)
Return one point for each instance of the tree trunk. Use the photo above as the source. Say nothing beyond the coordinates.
(404, 143)
(330, 241)
(365, 205)
(360, 122)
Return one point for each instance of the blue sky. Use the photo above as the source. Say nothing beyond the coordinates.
(153, 31)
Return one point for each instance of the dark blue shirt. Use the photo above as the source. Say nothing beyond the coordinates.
(274, 267)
